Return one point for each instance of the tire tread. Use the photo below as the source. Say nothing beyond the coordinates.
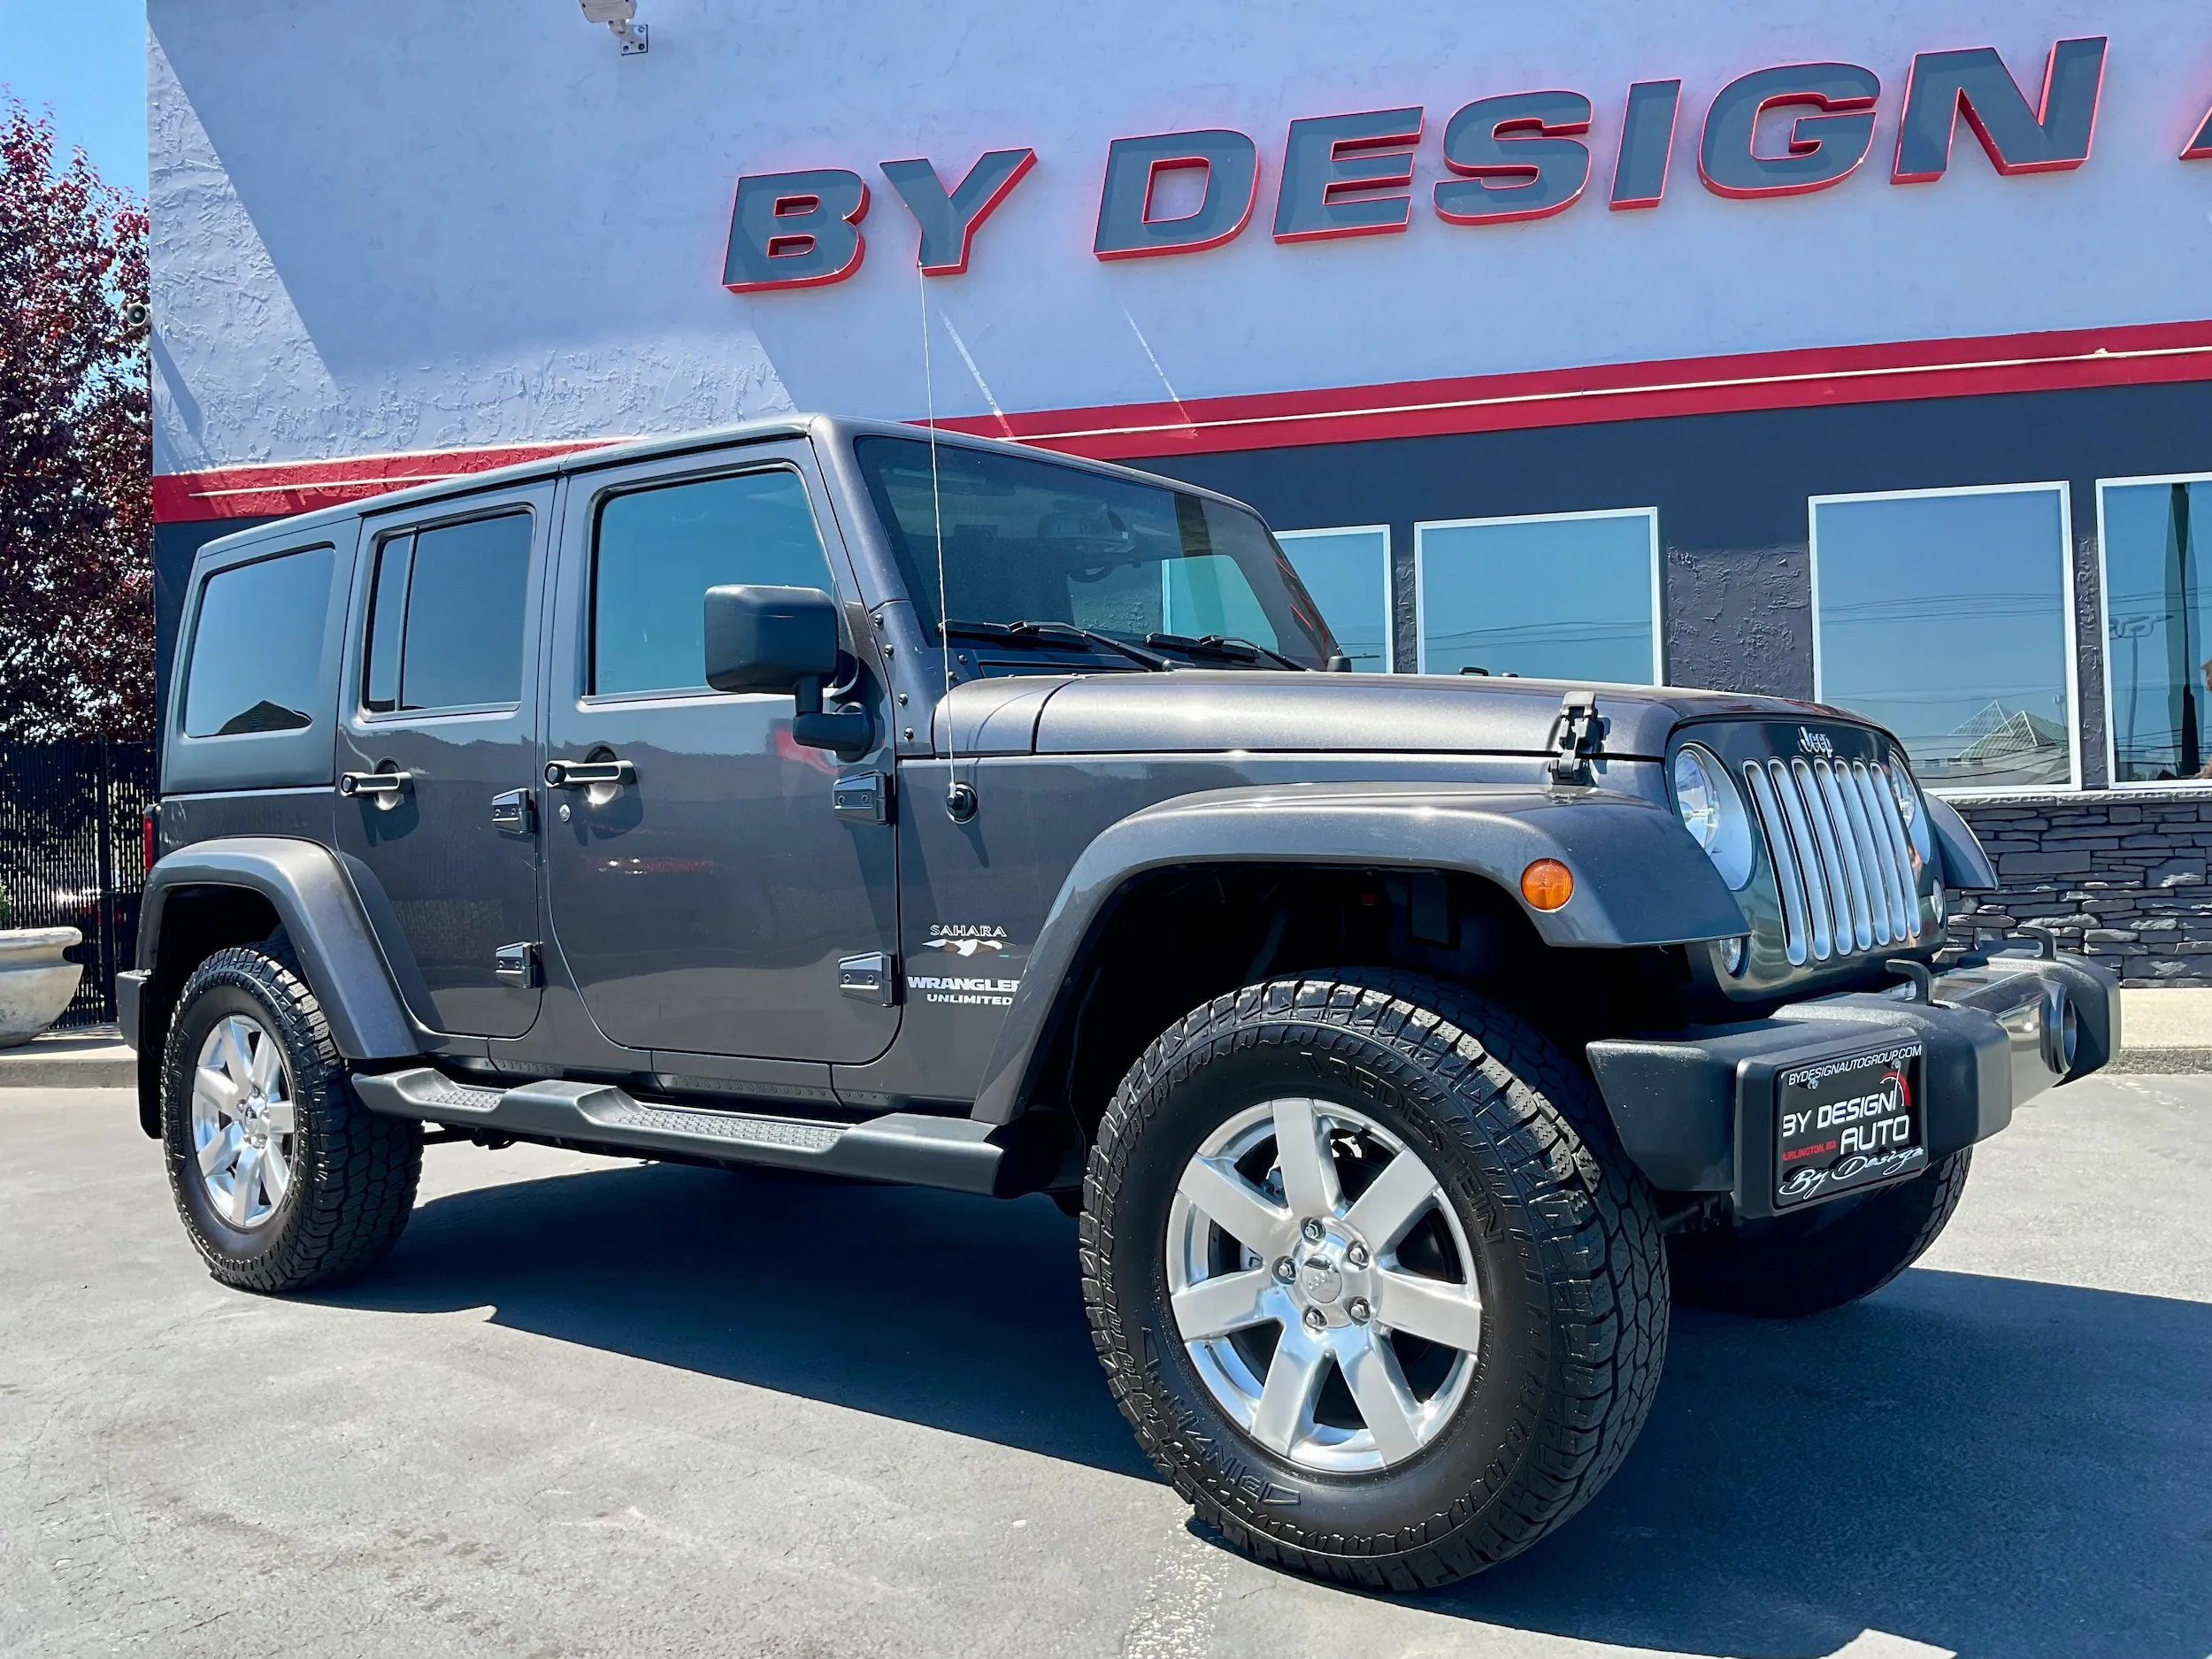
(356, 1172)
(1599, 1233)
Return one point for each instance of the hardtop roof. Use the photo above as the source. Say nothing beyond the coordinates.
(831, 427)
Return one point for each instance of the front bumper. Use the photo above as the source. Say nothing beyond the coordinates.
(1696, 1113)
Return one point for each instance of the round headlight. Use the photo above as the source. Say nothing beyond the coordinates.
(1910, 809)
(1713, 812)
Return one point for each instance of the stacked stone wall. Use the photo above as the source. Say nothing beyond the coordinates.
(2119, 876)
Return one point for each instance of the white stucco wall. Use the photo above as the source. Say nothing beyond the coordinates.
(415, 224)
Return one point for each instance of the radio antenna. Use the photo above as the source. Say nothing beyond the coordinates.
(960, 798)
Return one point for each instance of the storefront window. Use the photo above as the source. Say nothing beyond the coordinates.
(1565, 596)
(2155, 535)
(1946, 617)
(1347, 573)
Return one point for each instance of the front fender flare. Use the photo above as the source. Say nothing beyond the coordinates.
(1639, 880)
(323, 920)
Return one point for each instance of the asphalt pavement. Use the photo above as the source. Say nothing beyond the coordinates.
(602, 1408)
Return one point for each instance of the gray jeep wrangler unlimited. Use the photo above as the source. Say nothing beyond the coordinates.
(821, 795)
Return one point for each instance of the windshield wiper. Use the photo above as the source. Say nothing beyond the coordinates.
(1225, 647)
(1032, 634)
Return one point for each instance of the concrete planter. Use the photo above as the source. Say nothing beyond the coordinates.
(35, 984)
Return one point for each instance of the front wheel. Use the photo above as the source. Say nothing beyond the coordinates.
(282, 1177)
(1369, 1276)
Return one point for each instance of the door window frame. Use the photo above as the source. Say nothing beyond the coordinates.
(379, 539)
(2070, 580)
(575, 583)
(540, 498)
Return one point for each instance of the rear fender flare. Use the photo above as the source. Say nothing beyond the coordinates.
(322, 918)
(1639, 880)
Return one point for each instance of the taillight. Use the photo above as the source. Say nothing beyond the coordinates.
(151, 827)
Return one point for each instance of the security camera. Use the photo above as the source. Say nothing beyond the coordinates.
(620, 16)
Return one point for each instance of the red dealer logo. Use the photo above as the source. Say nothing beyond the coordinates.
(1516, 156)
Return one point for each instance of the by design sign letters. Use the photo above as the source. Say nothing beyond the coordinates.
(1780, 131)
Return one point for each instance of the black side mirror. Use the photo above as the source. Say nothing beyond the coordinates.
(769, 638)
(760, 638)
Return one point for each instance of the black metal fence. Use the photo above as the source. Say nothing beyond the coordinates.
(71, 853)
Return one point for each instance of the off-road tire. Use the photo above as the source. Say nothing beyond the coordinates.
(1819, 1259)
(354, 1172)
(1569, 1260)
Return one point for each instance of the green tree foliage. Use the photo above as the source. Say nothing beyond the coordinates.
(76, 530)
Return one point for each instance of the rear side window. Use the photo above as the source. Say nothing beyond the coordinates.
(660, 549)
(445, 617)
(257, 646)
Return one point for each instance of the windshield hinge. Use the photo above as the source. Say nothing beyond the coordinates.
(1578, 738)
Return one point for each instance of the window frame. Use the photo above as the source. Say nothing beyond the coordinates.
(2069, 578)
(2155, 786)
(412, 529)
(588, 653)
(1389, 595)
(1657, 564)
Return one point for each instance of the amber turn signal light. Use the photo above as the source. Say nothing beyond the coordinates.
(1547, 884)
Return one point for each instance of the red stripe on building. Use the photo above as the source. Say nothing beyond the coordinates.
(280, 487)
(2138, 355)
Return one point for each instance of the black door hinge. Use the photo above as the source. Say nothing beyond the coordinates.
(514, 812)
(868, 979)
(861, 796)
(516, 964)
(1578, 738)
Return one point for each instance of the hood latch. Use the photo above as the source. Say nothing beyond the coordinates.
(1578, 738)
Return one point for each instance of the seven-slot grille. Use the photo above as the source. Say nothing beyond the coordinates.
(1841, 856)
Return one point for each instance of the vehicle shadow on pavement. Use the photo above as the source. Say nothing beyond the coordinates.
(961, 1313)
(1991, 1466)
(1995, 1467)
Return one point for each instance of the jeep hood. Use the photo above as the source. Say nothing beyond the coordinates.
(1198, 710)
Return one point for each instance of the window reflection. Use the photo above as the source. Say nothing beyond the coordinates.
(2158, 619)
(257, 650)
(1565, 597)
(1943, 617)
(660, 549)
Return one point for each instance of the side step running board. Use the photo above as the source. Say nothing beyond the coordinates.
(909, 1147)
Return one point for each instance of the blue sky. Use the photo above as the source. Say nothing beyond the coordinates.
(86, 60)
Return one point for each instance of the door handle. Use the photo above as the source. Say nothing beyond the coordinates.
(581, 774)
(384, 788)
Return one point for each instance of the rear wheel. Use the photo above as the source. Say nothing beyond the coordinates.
(1818, 1258)
(1370, 1278)
(283, 1178)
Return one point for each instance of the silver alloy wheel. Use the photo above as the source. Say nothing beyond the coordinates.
(244, 1126)
(1262, 1233)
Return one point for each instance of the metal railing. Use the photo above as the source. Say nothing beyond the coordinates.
(71, 853)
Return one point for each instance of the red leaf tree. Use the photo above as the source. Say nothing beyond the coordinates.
(76, 531)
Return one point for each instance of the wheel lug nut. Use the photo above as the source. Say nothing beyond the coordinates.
(1315, 1231)
(1283, 1271)
(1315, 1319)
(1356, 1256)
(1359, 1310)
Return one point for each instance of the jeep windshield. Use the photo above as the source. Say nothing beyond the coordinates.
(1059, 548)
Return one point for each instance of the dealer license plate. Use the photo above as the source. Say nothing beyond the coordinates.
(1842, 1125)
